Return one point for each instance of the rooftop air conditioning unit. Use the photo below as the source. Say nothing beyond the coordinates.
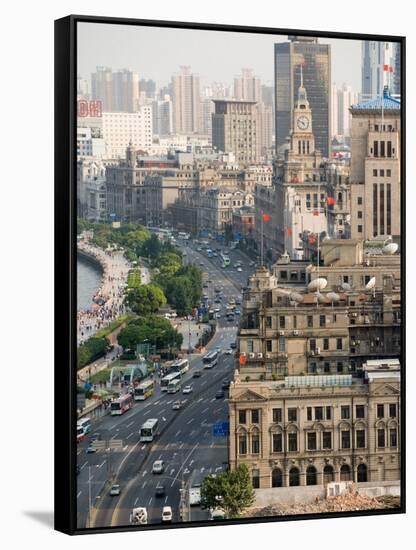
(260, 355)
(281, 332)
(251, 355)
(295, 333)
(268, 355)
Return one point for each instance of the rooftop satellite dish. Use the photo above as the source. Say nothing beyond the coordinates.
(371, 283)
(333, 296)
(317, 284)
(296, 297)
(346, 286)
(321, 298)
(390, 249)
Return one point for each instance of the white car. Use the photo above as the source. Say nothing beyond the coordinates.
(115, 490)
(239, 269)
(228, 351)
(187, 389)
(167, 514)
(158, 467)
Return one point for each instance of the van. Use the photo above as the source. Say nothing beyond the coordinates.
(166, 514)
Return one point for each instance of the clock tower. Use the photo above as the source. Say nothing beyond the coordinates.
(302, 138)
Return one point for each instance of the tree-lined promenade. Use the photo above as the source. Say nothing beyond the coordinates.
(125, 249)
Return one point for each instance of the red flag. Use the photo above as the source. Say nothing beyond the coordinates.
(330, 201)
(315, 213)
(289, 231)
(242, 359)
(312, 240)
(385, 68)
(266, 217)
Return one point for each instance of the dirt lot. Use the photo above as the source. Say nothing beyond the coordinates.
(349, 502)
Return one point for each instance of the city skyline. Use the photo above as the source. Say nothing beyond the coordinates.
(95, 49)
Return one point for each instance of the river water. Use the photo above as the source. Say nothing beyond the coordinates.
(88, 279)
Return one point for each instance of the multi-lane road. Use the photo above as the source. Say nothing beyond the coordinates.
(185, 441)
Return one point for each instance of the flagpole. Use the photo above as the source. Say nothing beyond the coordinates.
(261, 239)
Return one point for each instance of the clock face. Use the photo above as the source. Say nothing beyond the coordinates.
(303, 122)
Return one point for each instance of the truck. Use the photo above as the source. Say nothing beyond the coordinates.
(138, 516)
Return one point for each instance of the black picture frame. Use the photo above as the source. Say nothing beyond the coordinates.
(66, 272)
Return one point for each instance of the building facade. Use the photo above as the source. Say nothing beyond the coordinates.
(235, 129)
(186, 96)
(303, 431)
(375, 168)
(380, 67)
(119, 129)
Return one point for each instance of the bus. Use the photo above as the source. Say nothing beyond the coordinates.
(183, 235)
(148, 430)
(85, 425)
(210, 360)
(174, 386)
(80, 434)
(166, 380)
(225, 259)
(182, 366)
(122, 404)
(144, 390)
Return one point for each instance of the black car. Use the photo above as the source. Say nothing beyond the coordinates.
(225, 384)
(220, 394)
(233, 345)
(160, 491)
(197, 374)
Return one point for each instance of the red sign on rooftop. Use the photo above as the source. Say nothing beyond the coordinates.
(93, 108)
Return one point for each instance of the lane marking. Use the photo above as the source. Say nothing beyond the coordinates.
(125, 447)
(102, 464)
(144, 473)
(183, 463)
(150, 501)
(190, 421)
(79, 494)
(130, 424)
(83, 466)
(136, 501)
(129, 435)
(166, 499)
(144, 484)
(177, 433)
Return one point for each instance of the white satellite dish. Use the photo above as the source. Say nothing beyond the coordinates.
(346, 287)
(317, 284)
(390, 248)
(321, 298)
(371, 283)
(296, 297)
(333, 296)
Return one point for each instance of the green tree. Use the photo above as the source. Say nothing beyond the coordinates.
(145, 299)
(157, 331)
(231, 490)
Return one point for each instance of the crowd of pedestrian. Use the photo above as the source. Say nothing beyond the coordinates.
(108, 301)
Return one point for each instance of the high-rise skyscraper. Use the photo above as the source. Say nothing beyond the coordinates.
(235, 129)
(380, 66)
(118, 91)
(315, 59)
(342, 99)
(186, 102)
(247, 86)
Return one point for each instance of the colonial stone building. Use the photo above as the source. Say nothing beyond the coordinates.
(313, 430)
(288, 329)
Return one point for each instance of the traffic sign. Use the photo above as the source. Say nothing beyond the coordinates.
(221, 429)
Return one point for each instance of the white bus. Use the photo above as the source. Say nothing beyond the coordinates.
(85, 425)
(144, 390)
(166, 380)
(182, 366)
(210, 359)
(148, 430)
(174, 386)
(183, 235)
(225, 259)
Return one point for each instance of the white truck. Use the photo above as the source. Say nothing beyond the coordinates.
(195, 483)
(138, 516)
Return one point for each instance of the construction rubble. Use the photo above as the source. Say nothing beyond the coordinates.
(348, 502)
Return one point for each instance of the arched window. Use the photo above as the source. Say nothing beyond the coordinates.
(255, 477)
(362, 473)
(255, 442)
(242, 443)
(311, 476)
(345, 473)
(328, 474)
(293, 477)
(277, 478)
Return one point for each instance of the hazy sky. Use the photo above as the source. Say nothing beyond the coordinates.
(157, 53)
